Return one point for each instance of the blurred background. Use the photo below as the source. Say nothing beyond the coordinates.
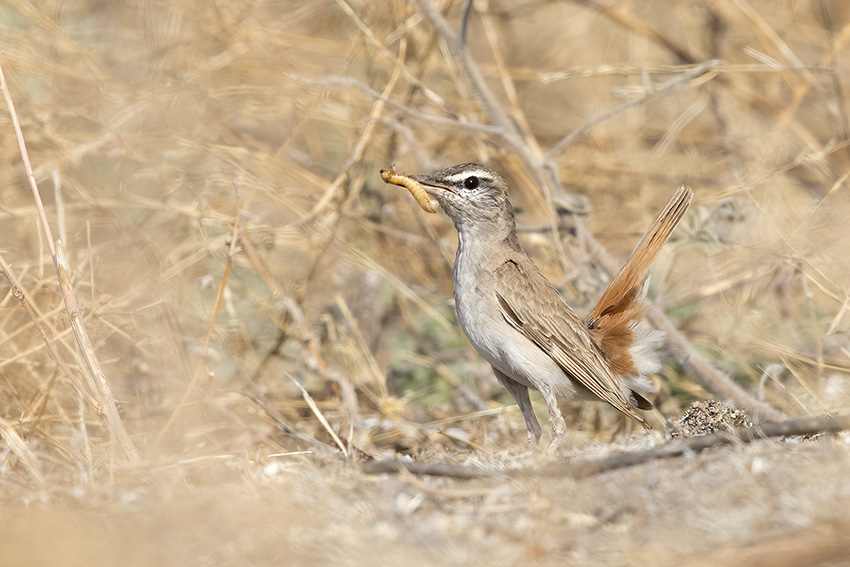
(212, 170)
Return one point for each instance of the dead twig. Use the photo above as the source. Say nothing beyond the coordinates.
(801, 426)
(364, 139)
(350, 82)
(665, 88)
(700, 367)
(507, 128)
(430, 469)
(640, 27)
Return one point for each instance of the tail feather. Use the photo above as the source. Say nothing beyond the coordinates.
(613, 319)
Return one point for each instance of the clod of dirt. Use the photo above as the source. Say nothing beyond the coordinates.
(710, 416)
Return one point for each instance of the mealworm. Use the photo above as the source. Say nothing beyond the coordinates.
(425, 201)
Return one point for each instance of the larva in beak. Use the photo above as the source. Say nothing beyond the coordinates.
(422, 197)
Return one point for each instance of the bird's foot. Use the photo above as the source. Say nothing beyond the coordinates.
(557, 439)
(559, 431)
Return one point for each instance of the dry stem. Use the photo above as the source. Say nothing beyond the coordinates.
(116, 426)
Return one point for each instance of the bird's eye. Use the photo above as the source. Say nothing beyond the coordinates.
(470, 182)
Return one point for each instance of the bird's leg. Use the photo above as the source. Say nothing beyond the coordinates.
(520, 394)
(559, 426)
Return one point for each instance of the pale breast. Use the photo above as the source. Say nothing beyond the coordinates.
(497, 342)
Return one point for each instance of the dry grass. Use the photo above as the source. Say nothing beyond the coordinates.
(252, 289)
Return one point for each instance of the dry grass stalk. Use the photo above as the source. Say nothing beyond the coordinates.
(321, 417)
(90, 356)
(116, 426)
(18, 291)
(199, 365)
(24, 453)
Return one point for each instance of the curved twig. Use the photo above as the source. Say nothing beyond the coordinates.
(802, 426)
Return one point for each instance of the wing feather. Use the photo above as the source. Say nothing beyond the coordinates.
(530, 304)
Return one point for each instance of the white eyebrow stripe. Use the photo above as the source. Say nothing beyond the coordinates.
(480, 173)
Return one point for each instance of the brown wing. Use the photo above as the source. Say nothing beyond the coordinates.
(534, 308)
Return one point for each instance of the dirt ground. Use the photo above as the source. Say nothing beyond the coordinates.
(268, 317)
(771, 503)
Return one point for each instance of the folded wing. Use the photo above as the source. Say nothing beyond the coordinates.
(534, 308)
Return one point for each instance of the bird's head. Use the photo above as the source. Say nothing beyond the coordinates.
(474, 196)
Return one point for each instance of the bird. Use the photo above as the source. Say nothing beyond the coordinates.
(519, 322)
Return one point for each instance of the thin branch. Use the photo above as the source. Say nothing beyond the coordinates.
(341, 81)
(364, 139)
(543, 170)
(507, 129)
(385, 51)
(464, 23)
(640, 27)
(701, 369)
(665, 88)
(803, 426)
(430, 469)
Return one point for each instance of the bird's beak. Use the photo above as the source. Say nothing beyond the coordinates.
(428, 181)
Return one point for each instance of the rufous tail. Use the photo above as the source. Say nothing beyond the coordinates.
(613, 319)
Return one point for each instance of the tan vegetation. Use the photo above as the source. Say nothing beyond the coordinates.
(267, 314)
